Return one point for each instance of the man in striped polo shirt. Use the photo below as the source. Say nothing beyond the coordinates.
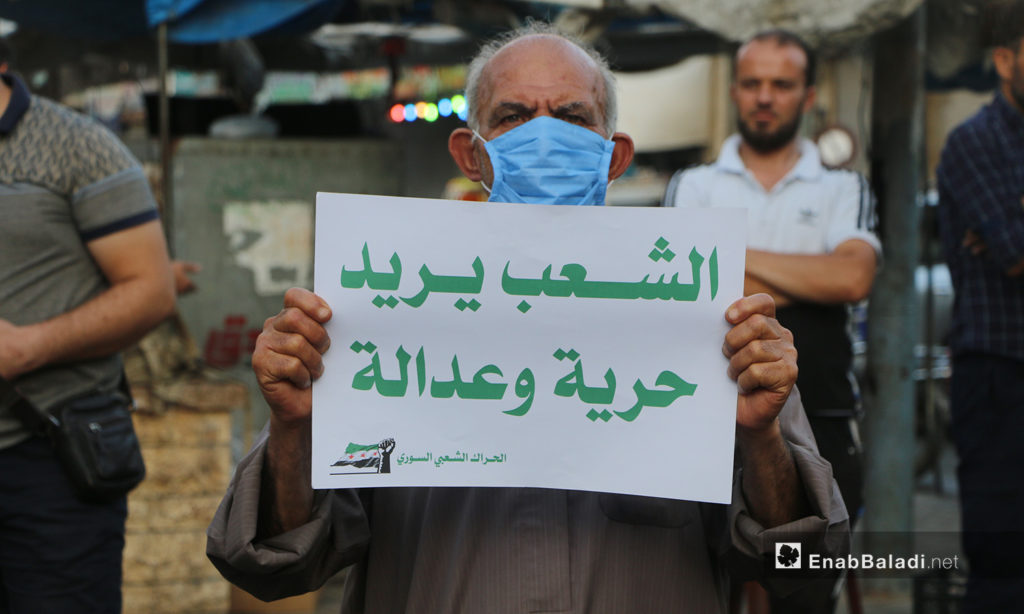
(83, 274)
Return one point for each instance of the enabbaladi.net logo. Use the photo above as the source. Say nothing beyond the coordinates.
(790, 556)
(787, 555)
(890, 562)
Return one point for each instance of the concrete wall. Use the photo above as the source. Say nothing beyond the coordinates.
(828, 23)
(244, 210)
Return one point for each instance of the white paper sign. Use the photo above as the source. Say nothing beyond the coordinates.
(483, 344)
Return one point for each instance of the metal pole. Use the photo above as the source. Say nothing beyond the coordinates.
(165, 137)
(897, 146)
(933, 429)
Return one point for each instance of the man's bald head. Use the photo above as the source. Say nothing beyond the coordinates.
(531, 73)
(564, 48)
(783, 38)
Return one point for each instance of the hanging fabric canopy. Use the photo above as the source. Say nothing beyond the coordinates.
(188, 21)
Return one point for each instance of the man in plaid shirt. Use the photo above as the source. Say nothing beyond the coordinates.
(981, 191)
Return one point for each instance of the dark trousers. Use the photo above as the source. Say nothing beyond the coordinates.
(988, 428)
(57, 554)
(839, 444)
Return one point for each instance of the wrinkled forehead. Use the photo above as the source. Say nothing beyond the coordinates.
(543, 64)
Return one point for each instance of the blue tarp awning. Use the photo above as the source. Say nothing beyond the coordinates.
(188, 21)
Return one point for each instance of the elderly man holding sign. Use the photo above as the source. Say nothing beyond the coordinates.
(541, 130)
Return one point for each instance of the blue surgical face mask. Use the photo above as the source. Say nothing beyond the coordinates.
(549, 161)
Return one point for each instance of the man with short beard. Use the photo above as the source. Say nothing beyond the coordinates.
(981, 218)
(810, 236)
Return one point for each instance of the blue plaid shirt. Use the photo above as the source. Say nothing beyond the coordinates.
(981, 188)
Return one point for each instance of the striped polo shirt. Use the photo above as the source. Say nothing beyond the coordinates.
(65, 180)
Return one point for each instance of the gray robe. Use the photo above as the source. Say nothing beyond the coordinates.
(505, 550)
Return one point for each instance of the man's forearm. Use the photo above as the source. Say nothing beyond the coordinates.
(843, 276)
(286, 500)
(753, 285)
(107, 324)
(979, 248)
(771, 483)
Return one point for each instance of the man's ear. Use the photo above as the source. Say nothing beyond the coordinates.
(622, 155)
(809, 98)
(460, 146)
(1003, 58)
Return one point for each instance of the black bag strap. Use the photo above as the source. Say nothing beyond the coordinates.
(40, 421)
(37, 420)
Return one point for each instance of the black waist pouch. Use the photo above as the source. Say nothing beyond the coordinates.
(94, 440)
